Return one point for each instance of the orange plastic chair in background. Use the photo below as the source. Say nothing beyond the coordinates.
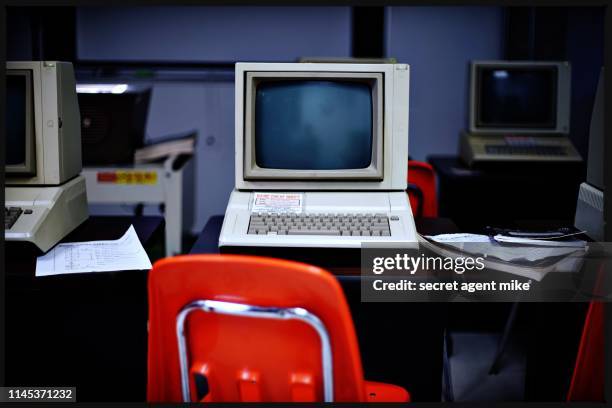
(587, 382)
(233, 328)
(422, 189)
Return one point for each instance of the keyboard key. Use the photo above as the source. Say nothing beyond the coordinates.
(11, 215)
(313, 232)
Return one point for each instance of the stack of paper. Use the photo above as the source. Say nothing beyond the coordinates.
(526, 257)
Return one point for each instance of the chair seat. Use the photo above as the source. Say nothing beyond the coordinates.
(382, 392)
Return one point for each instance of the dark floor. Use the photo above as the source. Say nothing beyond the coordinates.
(470, 362)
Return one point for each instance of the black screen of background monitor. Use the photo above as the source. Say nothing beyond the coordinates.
(517, 97)
(15, 119)
(313, 125)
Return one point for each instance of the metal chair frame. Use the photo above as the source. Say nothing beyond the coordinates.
(245, 310)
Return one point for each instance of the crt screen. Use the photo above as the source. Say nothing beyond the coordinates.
(15, 119)
(313, 125)
(520, 98)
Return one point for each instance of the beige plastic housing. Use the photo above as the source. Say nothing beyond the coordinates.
(56, 117)
(390, 87)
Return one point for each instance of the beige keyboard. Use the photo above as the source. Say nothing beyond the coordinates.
(374, 225)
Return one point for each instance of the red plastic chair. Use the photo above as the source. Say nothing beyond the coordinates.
(587, 382)
(422, 189)
(227, 328)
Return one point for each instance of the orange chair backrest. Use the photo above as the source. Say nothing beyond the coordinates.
(422, 175)
(246, 358)
(587, 382)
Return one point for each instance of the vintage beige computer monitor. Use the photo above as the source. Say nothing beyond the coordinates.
(328, 143)
(519, 112)
(45, 196)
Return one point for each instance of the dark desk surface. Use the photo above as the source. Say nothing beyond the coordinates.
(21, 257)
(414, 359)
(84, 330)
(90, 330)
(515, 195)
(452, 166)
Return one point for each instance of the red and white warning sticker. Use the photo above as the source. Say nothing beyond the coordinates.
(278, 202)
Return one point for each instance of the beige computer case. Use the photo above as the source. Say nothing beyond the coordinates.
(57, 130)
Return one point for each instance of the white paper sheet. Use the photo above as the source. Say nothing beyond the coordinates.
(577, 243)
(125, 253)
(278, 202)
(461, 237)
(530, 250)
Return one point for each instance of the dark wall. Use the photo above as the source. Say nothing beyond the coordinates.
(438, 43)
(19, 34)
(212, 34)
(574, 34)
(585, 45)
(410, 33)
(41, 33)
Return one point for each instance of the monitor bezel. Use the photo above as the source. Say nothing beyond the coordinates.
(562, 102)
(396, 124)
(28, 168)
(374, 172)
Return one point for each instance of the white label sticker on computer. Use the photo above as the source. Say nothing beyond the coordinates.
(278, 202)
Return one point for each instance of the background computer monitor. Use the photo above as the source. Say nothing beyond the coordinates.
(43, 138)
(520, 97)
(321, 126)
(113, 122)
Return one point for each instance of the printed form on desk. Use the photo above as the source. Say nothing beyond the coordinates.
(125, 253)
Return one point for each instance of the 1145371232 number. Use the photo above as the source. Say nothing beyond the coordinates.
(23, 394)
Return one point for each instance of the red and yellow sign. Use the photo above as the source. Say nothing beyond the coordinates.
(127, 177)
